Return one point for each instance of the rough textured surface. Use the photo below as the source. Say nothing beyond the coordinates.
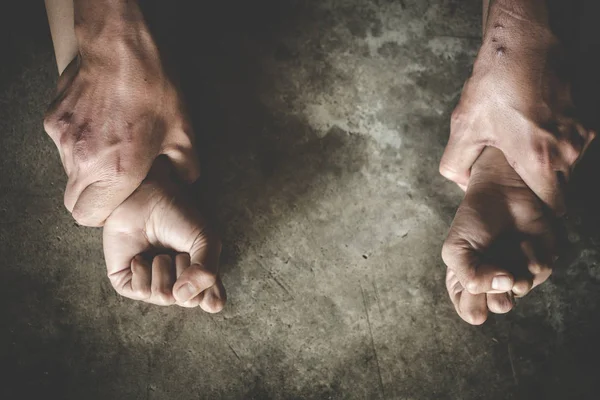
(321, 124)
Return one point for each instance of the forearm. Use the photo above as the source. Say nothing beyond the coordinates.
(60, 19)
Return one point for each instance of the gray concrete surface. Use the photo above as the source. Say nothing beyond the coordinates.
(320, 125)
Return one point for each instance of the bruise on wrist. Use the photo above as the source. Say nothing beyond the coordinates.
(517, 25)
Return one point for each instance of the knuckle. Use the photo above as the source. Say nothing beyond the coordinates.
(472, 285)
(50, 125)
(535, 268)
(591, 135)
(57, 124)
(448, 253)
(457, 116)
(571, 152)
(116, 283)
(449, 172)
(142, 293)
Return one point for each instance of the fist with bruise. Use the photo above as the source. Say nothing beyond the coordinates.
(116, 110)
(501, 242)
(158, 248)
(518, 100)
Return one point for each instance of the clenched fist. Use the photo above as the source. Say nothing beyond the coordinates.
(502, 241)
(518, 100)
(158, 248)
(116, 110)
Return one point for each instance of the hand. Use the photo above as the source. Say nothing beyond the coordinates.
(115, 111)
(142, 235)
(518, 100)
(501, 241)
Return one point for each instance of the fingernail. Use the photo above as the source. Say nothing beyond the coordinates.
(502, 282)
(186, 292)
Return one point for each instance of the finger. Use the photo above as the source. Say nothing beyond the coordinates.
(193, 281)
(588, 137)
(473, 308)
(459, 156)
(141, 278)
(92, 204)
(202, 273)
(123, 263)
(499, 303)
(539, 268)
(214, 298)
(454, 288)
(186, 162)
(489, 279)
(464, 261)
(522, 287)
(162, 281)
(182, 262)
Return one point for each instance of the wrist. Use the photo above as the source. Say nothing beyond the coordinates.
(491, 168)
(518, 44)
(518, 26)
(112, 28)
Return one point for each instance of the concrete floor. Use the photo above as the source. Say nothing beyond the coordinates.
(321, 124)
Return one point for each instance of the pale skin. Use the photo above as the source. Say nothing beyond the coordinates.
(513, 102)
(158, 248)
(116, 108)
(517, 101)
(499, 211)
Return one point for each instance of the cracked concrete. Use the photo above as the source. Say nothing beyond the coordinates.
(320, 126)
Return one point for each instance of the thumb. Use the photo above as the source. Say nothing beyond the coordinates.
(186, 162)
(476, 277)
(458, 158)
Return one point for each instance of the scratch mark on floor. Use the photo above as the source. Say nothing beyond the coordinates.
(511, 355)
(373, 343)
(279, 282)
(225, 339)
(512, 364)
(377, 297)
(233, 351)
(281, 285)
